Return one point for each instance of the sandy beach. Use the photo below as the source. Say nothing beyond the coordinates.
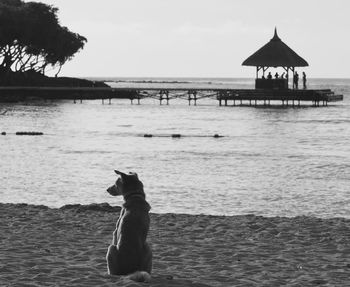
(41, 246)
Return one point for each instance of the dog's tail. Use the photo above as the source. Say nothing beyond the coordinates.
(140, 276)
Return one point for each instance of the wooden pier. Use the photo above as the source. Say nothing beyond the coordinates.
(224, 96)
(284, 97)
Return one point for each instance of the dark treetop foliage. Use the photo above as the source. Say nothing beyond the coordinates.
(31, 38)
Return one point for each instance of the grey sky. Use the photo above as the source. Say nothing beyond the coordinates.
(203, 38)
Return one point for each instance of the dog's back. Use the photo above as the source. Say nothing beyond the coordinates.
(135, 221)
(131, 235)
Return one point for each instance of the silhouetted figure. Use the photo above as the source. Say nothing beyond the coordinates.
(269, 76)
(263, 77)
(304, 81)
(296, 80)
(276, 75)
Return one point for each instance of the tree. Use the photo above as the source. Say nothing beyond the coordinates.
(31, 37)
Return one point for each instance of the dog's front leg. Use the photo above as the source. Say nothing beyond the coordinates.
(120, 217)
(115, 233)
(112, 260)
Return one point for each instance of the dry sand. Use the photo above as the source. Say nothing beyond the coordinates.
(40, 246)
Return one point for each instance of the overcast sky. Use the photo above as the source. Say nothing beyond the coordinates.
(203, 38)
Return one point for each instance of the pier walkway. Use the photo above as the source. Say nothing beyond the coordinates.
(224, 96)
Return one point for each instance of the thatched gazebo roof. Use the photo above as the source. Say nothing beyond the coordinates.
(275, 54)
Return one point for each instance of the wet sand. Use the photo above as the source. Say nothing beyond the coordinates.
(40, 246)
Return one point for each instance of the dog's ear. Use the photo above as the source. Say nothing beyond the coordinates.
(123, 175)
(119, 173)
(134, 174)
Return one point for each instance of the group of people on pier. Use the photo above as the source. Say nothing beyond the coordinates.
(285, 76)
(277, 76)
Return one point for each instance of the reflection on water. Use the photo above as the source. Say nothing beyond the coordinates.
(272, 161)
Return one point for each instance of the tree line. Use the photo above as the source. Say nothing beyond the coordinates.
(32, 39)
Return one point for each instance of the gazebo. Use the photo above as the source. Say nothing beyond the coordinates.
(274, 54)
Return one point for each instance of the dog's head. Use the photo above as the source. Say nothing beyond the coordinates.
(126, 184)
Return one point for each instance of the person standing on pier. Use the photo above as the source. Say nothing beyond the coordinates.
(304, 81)
(296, 80)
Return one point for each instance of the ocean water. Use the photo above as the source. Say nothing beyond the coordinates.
(272, 161)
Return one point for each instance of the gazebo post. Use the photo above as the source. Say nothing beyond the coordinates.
(264, 70)
(287, 70)
(292, 68)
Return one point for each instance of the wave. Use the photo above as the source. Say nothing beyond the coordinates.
(87, 152)
(106, 207)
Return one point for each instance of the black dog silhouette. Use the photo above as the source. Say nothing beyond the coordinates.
(129, 253)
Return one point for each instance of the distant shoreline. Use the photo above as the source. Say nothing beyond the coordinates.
(185, 79)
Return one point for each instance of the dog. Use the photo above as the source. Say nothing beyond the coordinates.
(129, 253)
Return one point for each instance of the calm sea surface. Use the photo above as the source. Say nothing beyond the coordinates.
(271, 161)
